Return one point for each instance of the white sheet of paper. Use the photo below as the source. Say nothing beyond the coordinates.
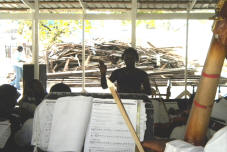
(143, 120)
(218, 143)
(182, 146)
(70, 120)
(107, 131)
(42, 124)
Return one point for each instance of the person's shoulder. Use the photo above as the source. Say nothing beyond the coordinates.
(141, 71)
(119, 70)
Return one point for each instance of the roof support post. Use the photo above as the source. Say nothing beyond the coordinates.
(83, 52)
(186, 54)
(83, 45)
(133, 23)
(35, 39)
(186, 44)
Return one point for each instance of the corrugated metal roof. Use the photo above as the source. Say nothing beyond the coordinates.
(18, 5)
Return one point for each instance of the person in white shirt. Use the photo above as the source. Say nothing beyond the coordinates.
(18, 67)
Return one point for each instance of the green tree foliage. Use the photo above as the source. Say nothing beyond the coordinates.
(25, 29)
(51, 31)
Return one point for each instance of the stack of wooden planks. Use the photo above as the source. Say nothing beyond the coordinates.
(68, 57)
(65, 63)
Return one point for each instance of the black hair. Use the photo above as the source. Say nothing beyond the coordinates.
(8, 99)
(20, 48)
(132, 51)
(60, 87)
(34, 88)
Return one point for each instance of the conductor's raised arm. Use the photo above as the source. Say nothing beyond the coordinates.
(102, 68)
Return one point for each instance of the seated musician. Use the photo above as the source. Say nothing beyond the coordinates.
(9, 122)
(23, 136)
(33, 94)
(129, 79)
(60, 87)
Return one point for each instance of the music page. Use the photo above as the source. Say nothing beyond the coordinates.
(107, 130)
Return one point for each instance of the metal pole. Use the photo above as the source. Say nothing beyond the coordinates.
(83, 52)
(82, 4)
(190, 7)
(35, 39)
(133, 21)
(186, 54)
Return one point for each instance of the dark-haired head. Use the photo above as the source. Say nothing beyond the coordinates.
(20, 48)
(34, 88)
(130, 56)
(8, 99)
(131, 51)
(60, 87)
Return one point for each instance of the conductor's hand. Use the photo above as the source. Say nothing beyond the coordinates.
(102, 67)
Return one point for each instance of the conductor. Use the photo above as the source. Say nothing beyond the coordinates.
(129, 79)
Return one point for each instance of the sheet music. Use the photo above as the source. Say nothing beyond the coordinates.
(142, 120)
(104, 111)
(70, 121)
(42, 124)
(107, 131)
(5, 132)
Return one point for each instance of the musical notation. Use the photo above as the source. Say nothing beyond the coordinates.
(70, 120)
(43, 122)
(107, 130)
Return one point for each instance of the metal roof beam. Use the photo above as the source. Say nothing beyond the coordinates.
(166, 16)
(111, 2)
(126, 16)
(20, 16)
(192, 5)
(82, 4)
(28, 4)
(118, 9)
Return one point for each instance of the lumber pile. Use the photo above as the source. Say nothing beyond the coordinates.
(68, 57)
(65, 62)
